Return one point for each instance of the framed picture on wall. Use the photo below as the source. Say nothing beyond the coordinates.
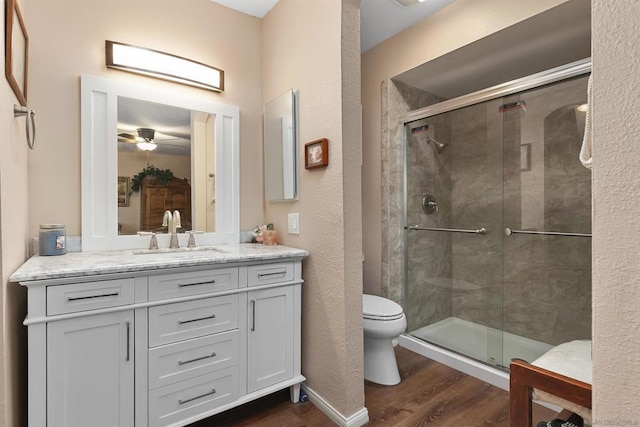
(16, 51)
(316, 154)
(124, 188)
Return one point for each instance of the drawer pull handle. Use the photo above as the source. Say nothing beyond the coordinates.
(184, 285)
(253, 315)
(182, 322)
(128, 341)
(182, 402)
(115, 294)
(278, 273)
(197, 359)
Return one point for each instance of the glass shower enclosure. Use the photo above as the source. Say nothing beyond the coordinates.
(498, 222)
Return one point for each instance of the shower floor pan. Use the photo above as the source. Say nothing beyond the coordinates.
(464, 338)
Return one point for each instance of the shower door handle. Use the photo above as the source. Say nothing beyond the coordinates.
(508, 232)
(480, 231)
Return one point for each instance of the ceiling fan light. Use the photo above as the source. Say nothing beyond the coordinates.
(147, 145)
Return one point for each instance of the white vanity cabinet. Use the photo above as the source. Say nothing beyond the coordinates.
(270, 344)
(90, 371)
(160, 344)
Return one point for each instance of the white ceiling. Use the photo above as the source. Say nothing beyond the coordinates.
(257, 8)
(379, 19)
(382, 19)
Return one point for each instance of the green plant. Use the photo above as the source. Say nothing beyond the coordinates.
(162, 175)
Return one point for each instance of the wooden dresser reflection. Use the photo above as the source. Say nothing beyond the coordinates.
(156, 198)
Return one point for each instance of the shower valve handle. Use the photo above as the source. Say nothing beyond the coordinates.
(429, 204)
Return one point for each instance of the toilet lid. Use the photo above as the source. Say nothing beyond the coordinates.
(374, 307)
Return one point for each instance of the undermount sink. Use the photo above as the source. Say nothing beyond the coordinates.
(174, 250)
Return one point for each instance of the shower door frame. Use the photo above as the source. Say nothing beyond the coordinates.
(563, 72)
(553, 75)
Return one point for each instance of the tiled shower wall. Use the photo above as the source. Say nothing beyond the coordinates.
(397, 100)
(476, 173)
(428, 298)
(534, 286)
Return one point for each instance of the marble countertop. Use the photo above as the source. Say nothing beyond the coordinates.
(78, 264)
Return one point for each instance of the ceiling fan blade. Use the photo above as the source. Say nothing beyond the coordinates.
(127, 137)
(164, 144)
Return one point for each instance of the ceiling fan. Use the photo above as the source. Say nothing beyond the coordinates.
(145, 139)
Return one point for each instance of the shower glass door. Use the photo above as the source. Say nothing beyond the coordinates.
(547, 220)
(498, 216)
(454, 245)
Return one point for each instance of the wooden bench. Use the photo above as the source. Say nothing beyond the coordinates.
(529, 381)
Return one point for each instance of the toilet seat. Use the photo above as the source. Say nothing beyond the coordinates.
(378, 308)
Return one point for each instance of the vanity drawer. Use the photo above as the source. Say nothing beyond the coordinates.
(172, 363)
(184, 320)
(192, 283)
(63, 299)
(265, 274)
(177, 402)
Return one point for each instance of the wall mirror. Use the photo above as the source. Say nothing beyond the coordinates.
(131, 137)
(156, 164)
(280, 148)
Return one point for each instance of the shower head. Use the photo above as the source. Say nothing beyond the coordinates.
(440, 147)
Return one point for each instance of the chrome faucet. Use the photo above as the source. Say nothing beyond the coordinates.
(172, 222)
(175, 223)
(192, 240)
(153, 243)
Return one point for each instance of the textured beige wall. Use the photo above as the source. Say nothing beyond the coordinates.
(313, 46)
(616, 223)
(13, 252)
(42, 186)
(67, 40)
(455, 26)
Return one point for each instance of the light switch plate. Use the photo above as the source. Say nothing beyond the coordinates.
(294, 223)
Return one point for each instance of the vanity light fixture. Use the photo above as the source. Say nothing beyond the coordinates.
(163, 66)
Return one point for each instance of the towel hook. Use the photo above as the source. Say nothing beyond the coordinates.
(19, 111)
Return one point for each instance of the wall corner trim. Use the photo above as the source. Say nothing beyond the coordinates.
(358, 419)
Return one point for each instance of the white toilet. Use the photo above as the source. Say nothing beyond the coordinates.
(383, 320)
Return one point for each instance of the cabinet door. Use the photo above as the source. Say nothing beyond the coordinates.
(270, 337)
(90, 375)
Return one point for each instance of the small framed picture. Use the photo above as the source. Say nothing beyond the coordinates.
(316, 154)
(124, 188)
(16, 51)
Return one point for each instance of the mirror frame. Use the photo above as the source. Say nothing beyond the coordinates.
(99, 143)
(292, 96)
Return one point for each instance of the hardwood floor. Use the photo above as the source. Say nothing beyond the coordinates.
(430, 394)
